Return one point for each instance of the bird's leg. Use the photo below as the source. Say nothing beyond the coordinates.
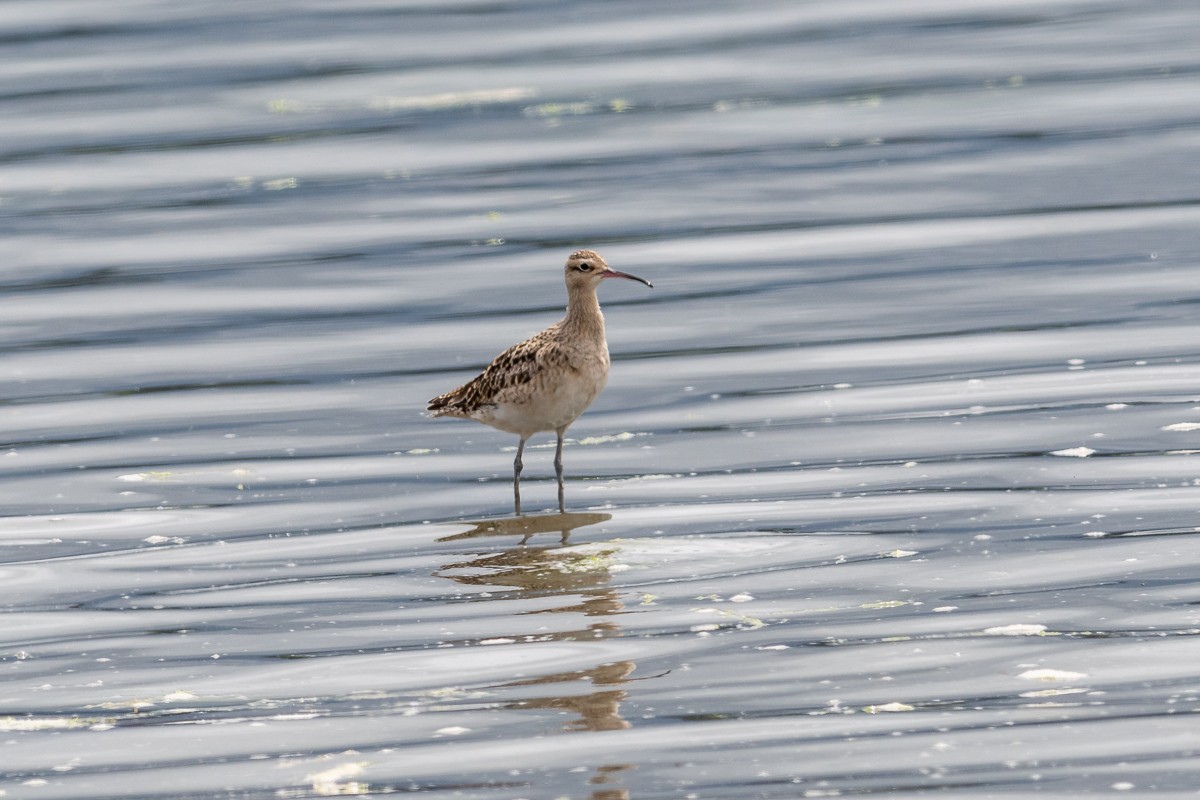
(517, 465)
(558, 470)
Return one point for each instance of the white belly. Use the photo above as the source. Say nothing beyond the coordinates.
(547, 405)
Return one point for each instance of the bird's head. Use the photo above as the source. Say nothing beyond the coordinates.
(587, 268)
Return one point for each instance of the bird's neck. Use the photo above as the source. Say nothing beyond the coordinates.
(583, 314)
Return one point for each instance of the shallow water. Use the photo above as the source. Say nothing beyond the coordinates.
(894, 489)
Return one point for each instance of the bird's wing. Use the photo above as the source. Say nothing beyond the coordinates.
(505, 376)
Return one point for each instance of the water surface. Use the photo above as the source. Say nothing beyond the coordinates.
(893, 489)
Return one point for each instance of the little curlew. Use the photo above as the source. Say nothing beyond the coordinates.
(545, 382)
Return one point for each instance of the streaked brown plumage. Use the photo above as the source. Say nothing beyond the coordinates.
(545, 382)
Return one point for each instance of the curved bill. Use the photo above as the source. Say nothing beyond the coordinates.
(612, 273)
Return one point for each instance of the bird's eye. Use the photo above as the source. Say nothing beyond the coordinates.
(585, 267)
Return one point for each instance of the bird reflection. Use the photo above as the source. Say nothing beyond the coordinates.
(598, 711)
(527, 527)
(582, 579)
(542, 569)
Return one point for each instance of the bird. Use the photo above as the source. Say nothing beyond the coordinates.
(547, 381)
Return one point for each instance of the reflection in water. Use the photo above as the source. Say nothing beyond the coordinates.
(603, 775)
(546, 570)
(599, 711)
(528, 526)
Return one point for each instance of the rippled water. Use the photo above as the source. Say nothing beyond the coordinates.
(894, 489)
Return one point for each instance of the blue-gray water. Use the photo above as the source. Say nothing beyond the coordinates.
(894, 490)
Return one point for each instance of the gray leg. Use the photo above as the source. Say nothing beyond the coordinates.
(517, 466)
(558, 471)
